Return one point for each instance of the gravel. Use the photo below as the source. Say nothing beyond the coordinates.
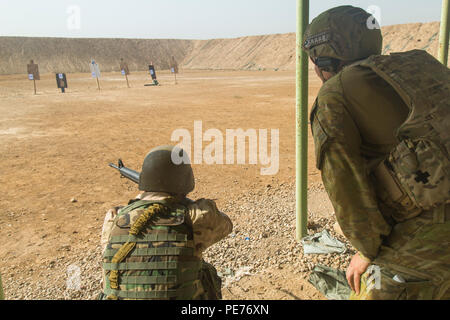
(267, 219)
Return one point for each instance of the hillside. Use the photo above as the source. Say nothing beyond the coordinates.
(276, 51)
(74, 55)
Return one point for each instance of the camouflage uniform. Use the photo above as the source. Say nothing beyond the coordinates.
(355, 122)
(208, 224)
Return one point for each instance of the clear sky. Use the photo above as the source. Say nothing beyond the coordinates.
(183, 19)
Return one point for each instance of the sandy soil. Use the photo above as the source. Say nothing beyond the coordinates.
(56, 147)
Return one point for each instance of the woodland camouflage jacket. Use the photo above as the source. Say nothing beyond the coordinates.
(354, 121)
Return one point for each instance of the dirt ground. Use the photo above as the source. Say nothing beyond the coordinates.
(55, 148)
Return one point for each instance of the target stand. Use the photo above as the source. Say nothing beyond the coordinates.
(33, 73)
(61, 82)
(152, 71)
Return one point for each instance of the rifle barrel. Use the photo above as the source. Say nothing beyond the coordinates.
(126, 172)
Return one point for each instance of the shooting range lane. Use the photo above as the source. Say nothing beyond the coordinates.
(58, 146)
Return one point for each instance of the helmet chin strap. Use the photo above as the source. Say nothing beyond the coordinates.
(335, 70)
(321, 76)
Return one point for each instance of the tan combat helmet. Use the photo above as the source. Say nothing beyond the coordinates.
(343, 33)
(160, 174)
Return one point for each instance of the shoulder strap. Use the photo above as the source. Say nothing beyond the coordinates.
(423, 84)
(141, 203)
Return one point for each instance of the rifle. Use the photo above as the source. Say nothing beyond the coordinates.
(126, 172)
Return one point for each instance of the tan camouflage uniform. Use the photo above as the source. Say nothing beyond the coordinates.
(209, 226)
(354, 121)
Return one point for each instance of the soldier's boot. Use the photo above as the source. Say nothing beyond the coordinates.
(211, 282)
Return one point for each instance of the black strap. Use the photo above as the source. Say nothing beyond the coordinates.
(166, 251)
(151, 237)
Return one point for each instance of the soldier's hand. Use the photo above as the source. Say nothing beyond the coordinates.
(354, 271)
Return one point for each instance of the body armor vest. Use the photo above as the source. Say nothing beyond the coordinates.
(416, 174)
(150, 254)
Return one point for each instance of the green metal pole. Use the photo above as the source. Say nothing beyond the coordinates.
(2, 297)
(443, 38)
(302, 122)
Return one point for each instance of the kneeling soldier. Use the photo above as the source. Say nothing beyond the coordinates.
(152, 248)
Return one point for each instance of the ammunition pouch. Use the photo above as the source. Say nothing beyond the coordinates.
(151, 254)
(413, 178)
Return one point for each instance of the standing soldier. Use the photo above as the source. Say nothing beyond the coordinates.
(381, 129)
(152, 248)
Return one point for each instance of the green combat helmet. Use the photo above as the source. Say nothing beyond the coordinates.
(343, 33)
(160, 173)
